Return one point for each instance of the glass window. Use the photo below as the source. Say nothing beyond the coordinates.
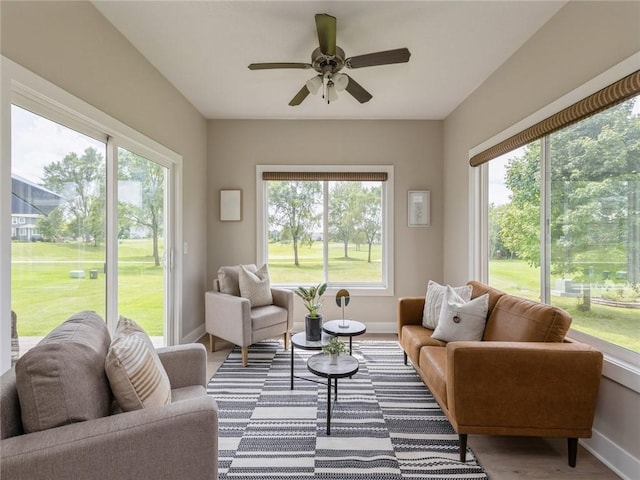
(592, 210)
(326, 231)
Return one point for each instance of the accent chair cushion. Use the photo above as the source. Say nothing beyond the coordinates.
(255, 287)
(228, 278)
(433, 301)
(460, 320)
(137, 377)
(62, 380)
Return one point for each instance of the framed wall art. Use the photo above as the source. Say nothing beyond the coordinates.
(230, 205)
(418, 208)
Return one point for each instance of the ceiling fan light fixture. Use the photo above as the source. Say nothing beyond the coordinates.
(332, 93)
(314, 84)
(340, 80)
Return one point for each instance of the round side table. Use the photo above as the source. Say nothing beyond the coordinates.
(345, 328)
(344, 366)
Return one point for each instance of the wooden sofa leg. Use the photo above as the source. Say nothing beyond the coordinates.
(462, 437)
(212, 343)
(405, 357)
(286, 340)
(572, 450)
(245, 356)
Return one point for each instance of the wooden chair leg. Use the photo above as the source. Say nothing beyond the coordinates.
(286, 340)
(245, 356)
(462, 437)
(572, 450)
(212, 343)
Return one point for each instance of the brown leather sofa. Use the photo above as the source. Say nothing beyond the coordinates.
(523, 378)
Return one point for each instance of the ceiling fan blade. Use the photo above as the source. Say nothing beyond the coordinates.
(359, 93)
(300, 96)
(400, 55)
(326, 26)
(269, 66)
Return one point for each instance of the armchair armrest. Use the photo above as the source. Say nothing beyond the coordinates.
(283, 297)
(186, 365)
(543, 389)
(174, 441)
(410, 311)
(228, 317)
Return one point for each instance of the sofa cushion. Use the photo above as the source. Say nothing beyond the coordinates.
(62, 380)
(515, 319)
(414, 337)
(433, 301)
(137, 377)
(228, 278)
(433, 363)
(461, 321)
(255, 286)
(481, 288)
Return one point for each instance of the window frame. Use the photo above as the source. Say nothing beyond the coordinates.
(621, 364)
(32, 92)
(386, 287)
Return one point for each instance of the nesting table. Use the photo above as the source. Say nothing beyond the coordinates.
(345, 328)
(322, 365)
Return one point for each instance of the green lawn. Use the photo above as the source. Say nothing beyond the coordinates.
(43, 294)
(620, 326)
(354, 268)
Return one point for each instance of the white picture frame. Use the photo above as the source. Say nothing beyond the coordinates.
(230, 205)
(419, 208)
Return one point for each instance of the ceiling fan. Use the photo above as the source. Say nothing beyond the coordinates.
(329, 59)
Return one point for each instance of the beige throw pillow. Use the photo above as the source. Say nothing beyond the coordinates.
(460, 320)
(255, 286)
(228, 278)
(433, 301)
(62, 380)
(137, 377)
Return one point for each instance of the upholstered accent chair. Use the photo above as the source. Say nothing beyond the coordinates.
(231, 317)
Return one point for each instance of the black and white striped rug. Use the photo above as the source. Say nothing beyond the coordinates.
(385, 426)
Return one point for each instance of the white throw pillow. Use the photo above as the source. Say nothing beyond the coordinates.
(135, 372)
(255, 286)
(433, 301)
(459, 320)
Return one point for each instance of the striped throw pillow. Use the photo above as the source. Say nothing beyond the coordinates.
(136, 375)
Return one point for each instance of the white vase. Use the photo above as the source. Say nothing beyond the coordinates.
(333, 358)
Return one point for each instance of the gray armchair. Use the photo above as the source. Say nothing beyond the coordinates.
(179, 440)
(231, 318)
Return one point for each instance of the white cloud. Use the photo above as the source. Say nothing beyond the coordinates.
(37, 141)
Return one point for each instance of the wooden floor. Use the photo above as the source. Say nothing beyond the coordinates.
(503, 458)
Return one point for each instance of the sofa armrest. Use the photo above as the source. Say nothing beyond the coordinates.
(546, 387)
(174, 441)
(186, 365)
(228, 317)
(283, 297)
(410, 310)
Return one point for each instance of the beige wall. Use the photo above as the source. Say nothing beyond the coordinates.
(73, 46)
(413, 147)
(583, 40)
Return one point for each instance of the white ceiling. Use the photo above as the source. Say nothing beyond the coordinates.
(204, 48)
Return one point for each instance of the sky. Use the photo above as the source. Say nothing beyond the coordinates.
(37, 141)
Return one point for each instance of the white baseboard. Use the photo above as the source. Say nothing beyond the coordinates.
(193, 335)
(618, 460)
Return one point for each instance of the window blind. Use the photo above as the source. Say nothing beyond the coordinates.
(327, 176)
(607, 97)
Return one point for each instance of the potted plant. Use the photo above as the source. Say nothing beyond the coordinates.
(334, 348)
(311, 300)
